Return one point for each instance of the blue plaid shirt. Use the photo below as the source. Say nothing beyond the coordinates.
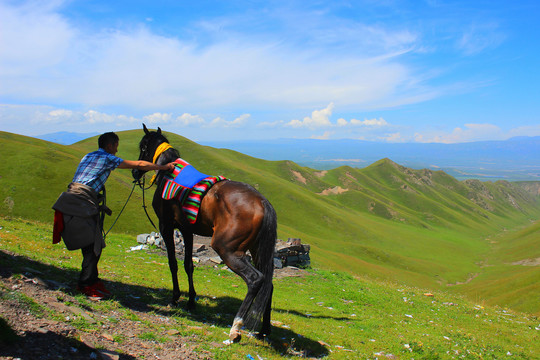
(95, 168)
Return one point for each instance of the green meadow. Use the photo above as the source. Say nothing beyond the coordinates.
(385, 222)
(320, 314)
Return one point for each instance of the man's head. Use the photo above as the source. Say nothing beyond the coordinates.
(109, 142)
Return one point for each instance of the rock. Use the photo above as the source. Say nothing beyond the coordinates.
(292, 253)
(198, 248)
(216, 259)
(142, 238)
(55, 285)
(108, 355)
(107, 336)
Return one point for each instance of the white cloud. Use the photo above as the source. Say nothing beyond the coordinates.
(470, 132)
(189, 120)
(480, 37)
(369, 122)
(324, 136)
(356, 128)
(271, 124)
(63, 61)
(393, 138)
(342, 122)
(59, 116)
(61, 113)
(157, 118)
(319, 118)
(93, 117)
(238, 122)
(526, 130)
(241, 120)
(37, 37)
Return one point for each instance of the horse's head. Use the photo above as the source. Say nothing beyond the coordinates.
(148, 145)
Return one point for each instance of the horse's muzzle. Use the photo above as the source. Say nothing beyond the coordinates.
(137, 174)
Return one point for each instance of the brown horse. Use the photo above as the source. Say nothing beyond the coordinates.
(238, 218)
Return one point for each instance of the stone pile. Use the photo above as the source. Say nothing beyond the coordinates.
(287, 253)
(155, 239)
(291, 253)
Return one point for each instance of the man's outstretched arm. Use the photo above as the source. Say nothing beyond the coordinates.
(144, 165)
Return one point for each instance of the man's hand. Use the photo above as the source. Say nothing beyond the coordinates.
(170, 167)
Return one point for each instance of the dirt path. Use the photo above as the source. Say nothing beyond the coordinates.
(30, 332)
(41, 318)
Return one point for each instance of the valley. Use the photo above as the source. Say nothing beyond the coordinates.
(385, 221)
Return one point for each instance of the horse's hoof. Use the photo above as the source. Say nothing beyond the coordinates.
(235, 336)
(262, 337)
(190, 305)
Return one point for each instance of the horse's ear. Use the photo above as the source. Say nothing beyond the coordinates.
(145, 129)
(159, 131)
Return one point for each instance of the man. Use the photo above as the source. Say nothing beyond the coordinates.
(77, 210)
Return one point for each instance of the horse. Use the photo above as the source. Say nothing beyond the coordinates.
(238, 218)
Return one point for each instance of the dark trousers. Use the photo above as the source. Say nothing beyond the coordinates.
(89, 272)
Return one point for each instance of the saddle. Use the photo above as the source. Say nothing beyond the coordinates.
(188, 186)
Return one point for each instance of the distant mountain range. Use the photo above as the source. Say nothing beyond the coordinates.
(65, 137)
(515, 159)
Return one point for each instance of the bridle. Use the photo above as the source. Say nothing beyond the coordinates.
(159, 150)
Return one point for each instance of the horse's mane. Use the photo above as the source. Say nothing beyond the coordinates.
(170, 155)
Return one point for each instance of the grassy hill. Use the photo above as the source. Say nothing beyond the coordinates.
(417, 227)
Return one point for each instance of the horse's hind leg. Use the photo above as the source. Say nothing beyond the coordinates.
(266, 326)
(253, 278)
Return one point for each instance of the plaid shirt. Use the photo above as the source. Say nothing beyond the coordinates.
(95, 168)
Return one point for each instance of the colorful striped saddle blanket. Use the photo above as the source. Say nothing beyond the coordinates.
(189, 186)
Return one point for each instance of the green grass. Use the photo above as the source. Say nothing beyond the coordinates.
(419, 227)
(325, 313)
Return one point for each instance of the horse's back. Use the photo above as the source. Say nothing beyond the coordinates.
(231, 206)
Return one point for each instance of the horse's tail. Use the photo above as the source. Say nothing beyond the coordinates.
(266, 239)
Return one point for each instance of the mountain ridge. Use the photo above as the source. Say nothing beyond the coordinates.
(516, 158)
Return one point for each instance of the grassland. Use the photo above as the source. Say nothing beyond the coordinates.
(323, 313)
(419, 228)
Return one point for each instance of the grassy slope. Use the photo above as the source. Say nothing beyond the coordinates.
(323, 314)
(413, 226)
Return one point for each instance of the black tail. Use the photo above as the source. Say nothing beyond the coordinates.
(265, 264)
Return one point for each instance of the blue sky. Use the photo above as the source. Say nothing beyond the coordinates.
(389, 70)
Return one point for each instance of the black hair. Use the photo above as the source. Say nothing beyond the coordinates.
(109, 138)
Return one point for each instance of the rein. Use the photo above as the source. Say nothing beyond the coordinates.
(160, 150)
(141, 185)
(120, 213)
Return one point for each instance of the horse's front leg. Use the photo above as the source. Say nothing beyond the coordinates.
(166, 227)
(187, 234)
(167, 233)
